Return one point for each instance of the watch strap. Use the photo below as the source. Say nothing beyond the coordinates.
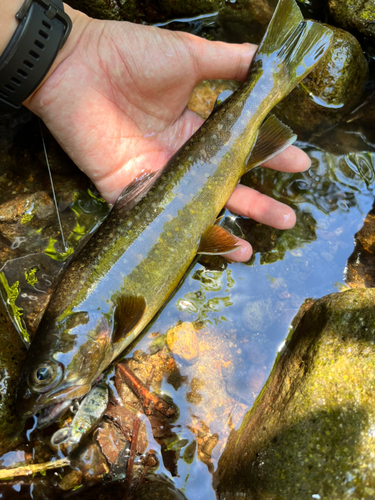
(43, 29)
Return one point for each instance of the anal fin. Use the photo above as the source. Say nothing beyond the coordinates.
(128, 313)
(273, 137)
(217, 241)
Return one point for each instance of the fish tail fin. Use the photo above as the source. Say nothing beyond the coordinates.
(293, 46)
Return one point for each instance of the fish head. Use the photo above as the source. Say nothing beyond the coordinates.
(65, 358)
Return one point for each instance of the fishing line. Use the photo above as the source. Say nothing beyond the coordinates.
(53, 188)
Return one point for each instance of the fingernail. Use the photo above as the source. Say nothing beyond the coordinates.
(308, 166)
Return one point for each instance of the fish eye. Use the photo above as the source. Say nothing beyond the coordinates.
(45, 376)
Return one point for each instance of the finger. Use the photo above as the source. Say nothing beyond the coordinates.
(218, 60)
(250, 203)
(292, 159)
(243, 254)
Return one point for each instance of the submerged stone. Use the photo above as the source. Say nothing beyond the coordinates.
(360, 269)
(330, 91)
(310, 434)
(182, 340)
(357, 16)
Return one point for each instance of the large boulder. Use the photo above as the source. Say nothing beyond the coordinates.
(310, 433)
(357, 16)
(330, 91)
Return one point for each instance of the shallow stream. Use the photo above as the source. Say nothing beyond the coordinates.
(241, 312)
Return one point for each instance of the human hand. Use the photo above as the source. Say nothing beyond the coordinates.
(116, 96)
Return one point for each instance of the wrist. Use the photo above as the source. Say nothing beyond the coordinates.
(13, 31)
(79, 23)
(8, 21)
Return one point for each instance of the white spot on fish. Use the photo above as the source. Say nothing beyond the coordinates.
(230, 116)
(220, 126)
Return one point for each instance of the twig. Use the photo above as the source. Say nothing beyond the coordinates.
(147, 399)
(26, 470)
(133, 449)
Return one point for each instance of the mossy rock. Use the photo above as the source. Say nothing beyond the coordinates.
(310, 432)
(144, 11)
(12, 354)
(357, 16)
(244, 20)
(330, 91)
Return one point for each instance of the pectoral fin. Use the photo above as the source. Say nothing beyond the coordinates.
(128, 313)
(217, 241)
(273, 137)
(135, 191)
(61, 436)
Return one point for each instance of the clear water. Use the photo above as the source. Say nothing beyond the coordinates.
(244, 311)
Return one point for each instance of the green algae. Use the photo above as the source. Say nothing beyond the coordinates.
(55, 254)
(26, 218)
(30, 276)
(11, 293)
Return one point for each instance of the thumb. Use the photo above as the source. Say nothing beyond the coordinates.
(219, 60)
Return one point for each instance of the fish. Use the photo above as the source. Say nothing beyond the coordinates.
(86, 418)
(125, 273)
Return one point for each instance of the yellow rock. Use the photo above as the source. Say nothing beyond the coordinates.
(182, 340)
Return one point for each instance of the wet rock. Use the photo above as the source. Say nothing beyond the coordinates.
(12, 354)
(310, 433)
(204, 95)
(72, 480)
(360, 269)
(313, 9)
(89, 459)
(357, 16)
(244, 20)
(159, 486)
(330, 91)
(182, 340)
(145, 11)
(16, 215)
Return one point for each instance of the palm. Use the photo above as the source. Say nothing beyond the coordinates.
(128, 113)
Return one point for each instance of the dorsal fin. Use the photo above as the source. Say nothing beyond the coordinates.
(217, 241)
(273, 137)
(128, 313)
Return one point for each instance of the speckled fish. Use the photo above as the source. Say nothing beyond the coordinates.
(135, 260)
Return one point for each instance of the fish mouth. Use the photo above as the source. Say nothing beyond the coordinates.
(51, 413)
(50, 406)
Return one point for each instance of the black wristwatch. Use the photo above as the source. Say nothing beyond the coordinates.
(43, 30)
